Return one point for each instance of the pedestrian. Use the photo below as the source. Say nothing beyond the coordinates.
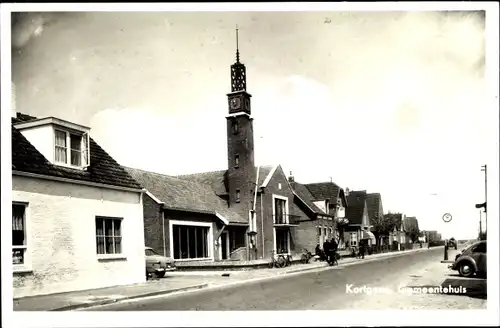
(326, 249)
(317, 250)
(334, 246)
(362, 249)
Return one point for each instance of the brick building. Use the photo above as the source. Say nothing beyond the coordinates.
(330, 199)
(76, 214)
(247, 211)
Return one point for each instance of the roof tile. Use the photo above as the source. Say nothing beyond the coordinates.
(186, 195)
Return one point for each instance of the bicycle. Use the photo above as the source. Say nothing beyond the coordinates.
(333, 258)
(277, 260)
(306, 256)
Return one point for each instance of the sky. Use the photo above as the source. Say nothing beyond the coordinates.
(388, 102)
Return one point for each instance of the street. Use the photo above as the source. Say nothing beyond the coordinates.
(320, 290)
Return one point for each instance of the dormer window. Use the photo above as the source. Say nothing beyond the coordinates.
(61, 142)
(71, 148)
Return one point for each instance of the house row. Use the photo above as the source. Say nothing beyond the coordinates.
(80, 220)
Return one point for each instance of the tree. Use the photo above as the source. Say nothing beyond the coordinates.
(384, 224)
(413, 232)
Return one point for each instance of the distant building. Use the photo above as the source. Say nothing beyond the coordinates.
(359, 221)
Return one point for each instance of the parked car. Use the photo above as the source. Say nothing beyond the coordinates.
(452, 243)
(471, 260)
(157, 265)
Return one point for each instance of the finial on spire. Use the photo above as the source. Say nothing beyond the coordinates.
(237, 46)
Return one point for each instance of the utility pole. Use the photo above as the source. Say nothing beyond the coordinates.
(480, 226)
(484, 168)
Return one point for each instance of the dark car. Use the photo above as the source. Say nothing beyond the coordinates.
(471, 261)
(452, 243)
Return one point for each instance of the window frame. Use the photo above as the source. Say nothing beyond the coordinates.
(237, 196)
(121, 254)
(235, 127)
(209, 239)
(285, 209)
(84, 148)
(26, 265)
(236, 161)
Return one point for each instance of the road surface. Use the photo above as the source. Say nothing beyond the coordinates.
(324, 290)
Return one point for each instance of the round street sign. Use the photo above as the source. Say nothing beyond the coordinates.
(447, 217)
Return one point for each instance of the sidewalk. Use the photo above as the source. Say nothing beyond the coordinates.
(174, 282)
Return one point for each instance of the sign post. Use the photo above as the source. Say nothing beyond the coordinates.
(446, 218)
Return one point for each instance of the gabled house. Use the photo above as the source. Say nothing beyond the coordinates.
(399, 233)
(376, 214)
(76, 214)
(359, 220)
(319, 224)
(330, 198)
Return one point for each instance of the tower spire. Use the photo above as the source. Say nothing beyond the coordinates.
(237, 46)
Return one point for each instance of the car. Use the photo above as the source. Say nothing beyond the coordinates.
(452, 243)
(157, 265)
(471, 261)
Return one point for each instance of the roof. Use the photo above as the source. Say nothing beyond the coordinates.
(103, 168)
(217, 180)
(410, 222)
(305, 196)
(183, 195)
(373, 201)
(326, 190)
(354, 211)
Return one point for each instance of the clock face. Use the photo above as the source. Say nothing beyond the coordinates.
(447, 217)
(234, 103)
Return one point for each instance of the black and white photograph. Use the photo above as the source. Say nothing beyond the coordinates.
(250, 164)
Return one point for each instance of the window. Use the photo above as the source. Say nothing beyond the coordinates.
(280, 211)
(236, 161)
(190, 242)
(108, 235)
(353, 239)
(235, 127)
(19, 245)
(480, 248)
(72, 148)
(237, 195)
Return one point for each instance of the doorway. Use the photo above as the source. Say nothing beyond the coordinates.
(224, 246)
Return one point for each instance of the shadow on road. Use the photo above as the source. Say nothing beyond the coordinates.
(474, 287)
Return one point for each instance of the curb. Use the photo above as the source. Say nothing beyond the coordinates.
(114, 300)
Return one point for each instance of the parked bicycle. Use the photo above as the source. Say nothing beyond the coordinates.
(333, 258)
(280, 260)
(306, 256)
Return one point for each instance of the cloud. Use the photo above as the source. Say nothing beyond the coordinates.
(25, 26)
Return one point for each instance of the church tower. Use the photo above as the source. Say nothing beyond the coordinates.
(240, 143)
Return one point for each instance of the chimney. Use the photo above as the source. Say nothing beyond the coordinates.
(291, 179)
(346, 192)
(13, 100)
